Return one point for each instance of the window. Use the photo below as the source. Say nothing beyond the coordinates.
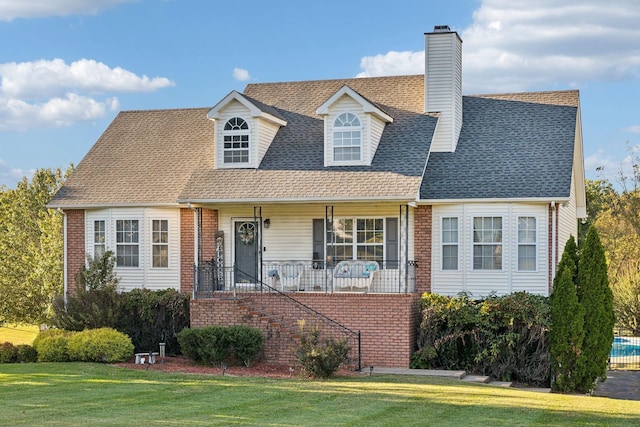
(99, 238)
(449, 243)
(347, 140)
(367, 245)
(127, 238)
(527, 243)
(487, 243)
(160, 243)
(236, 141)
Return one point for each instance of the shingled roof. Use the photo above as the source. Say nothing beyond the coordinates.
(511, 145)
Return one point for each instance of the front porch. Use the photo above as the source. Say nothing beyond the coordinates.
(306, 276)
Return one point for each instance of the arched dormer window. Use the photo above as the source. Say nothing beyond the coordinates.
(347, 138)
(236, 141)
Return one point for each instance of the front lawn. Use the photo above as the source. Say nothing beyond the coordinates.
(93, 394)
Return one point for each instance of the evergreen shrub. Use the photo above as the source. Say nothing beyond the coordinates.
(320, 357)
(8, 353)
(100, 345)
(51, 345)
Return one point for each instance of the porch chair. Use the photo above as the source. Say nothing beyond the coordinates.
(290, 276)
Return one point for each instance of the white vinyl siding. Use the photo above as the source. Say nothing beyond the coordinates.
(567, 221)
(443, 88)
(290, 233)
(235, 109)
(480, 283)
(144, 275)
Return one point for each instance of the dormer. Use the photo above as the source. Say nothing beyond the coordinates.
(353, 127)
(244, 130)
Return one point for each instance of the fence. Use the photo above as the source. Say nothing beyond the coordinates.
(625, 351)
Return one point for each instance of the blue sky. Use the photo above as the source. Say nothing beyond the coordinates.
(68, 66)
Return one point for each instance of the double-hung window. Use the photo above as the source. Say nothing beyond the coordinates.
(236, 141)
(160, 243)
(99, 238)
(356, 238)
(127, 243)
(527, 243)
(487, 243)
(347, 138)
(450, 243)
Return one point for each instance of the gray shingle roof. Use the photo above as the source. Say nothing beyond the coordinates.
(510, 146)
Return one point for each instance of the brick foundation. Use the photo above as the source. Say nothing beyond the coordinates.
(387, 323)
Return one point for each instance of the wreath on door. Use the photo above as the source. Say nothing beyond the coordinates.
(247, 232)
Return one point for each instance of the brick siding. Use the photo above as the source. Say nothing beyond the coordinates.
(75, 245)
(422, 247)
(388, 323)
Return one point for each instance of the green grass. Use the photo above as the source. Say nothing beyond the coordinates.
(92, 394)
(18, 334)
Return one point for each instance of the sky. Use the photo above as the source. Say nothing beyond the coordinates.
(67, 67)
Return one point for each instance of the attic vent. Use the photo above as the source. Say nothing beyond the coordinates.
(441, 29)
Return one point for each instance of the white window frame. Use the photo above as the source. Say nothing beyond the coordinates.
(128, 239)
(99, 238)
(345, 130)
(236, 129)
(356, 233)
(160, 241)
(527, 243)
(486, 238)
(447, 241)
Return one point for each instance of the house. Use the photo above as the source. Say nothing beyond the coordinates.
(338, 201)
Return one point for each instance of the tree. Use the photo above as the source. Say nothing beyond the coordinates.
(596, 297)
(566, 333)
(31, 244)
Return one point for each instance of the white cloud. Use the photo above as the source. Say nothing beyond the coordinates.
(633, 129)
(513, 46)
(12, 9)
(241, 75)
(392, 63)
(51, 93)
(11, 175)
(55, 77)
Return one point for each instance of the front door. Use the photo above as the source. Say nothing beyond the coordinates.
(246, 251)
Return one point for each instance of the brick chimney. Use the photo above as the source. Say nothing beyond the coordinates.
(443, 85)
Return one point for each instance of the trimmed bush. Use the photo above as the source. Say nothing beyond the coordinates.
(8, 353)
(151, 317)
(213, 345)
(100, 345)
(319, 357)
(26, 353)
(51, 345)
(246, 343)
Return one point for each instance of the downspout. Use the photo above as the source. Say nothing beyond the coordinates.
(65, 285)
(553, 242)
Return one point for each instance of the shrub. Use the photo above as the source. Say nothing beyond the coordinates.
(8, 353)
(213, 345)
(95, 303)
(151, 317)
(596, 297)
(100, 345)
(51, 345)
(503, 337)
(26, 353)
(566, 333)
(246, 343)
(208, 345)
(319, 357)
